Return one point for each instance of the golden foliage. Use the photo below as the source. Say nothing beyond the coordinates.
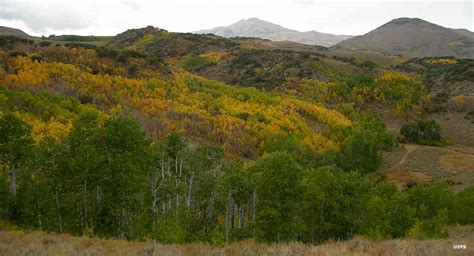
(236, 118)
(442, 61)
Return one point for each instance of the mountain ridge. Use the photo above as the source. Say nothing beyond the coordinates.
(255, 27)
(413, 37)
(8, 31)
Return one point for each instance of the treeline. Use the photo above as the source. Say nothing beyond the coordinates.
(104, 178)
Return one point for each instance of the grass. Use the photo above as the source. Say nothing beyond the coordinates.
(41, 243)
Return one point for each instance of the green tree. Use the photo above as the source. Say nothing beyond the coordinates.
(278, 191)
(462, 211)
(332, 204)
(15, 145)
(387, 213)
(35, 201)
(410, 131)
(52, 161)
(88, 156)
(5, 198)
(423, 132)
(362, 143)
(122, 178)
(238, 199)
(431, 204)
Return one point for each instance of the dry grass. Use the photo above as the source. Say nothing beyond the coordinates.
(458, 162)
(427, 164)
(41, 243)
(401, 175)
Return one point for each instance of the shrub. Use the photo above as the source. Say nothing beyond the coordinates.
(423, 132)
(197, 63)
(463, 207)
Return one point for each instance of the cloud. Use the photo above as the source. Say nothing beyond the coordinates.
(132, 4)
(41, 17)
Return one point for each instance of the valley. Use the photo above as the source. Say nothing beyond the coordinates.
(237, 145)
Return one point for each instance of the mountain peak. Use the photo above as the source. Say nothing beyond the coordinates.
(407, 21)
(254, 19)
(256, 23)
(255, 27)
(413, 37)
(131, 36)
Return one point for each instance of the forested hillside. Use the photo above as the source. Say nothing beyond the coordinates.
(182, 137)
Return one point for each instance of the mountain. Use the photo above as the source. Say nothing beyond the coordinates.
(263, 29)
(413, 37)
(465, 32)
(7, 31)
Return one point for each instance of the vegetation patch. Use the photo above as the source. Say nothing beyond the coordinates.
(423, 132)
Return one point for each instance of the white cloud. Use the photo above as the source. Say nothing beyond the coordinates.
(41, 17)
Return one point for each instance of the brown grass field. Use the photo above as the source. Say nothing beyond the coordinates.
(41, 243)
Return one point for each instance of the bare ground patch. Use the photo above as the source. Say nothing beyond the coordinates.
(455, 127)
(426, 164)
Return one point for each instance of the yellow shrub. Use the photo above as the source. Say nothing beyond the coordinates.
(442, 61)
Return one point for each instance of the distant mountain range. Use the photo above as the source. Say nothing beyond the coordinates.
(413, 37)
(408, 37)
(266, 30)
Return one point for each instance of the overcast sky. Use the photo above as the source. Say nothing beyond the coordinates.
(45, 17)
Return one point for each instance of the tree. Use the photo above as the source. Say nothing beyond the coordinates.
(430, 132)
(238, 194)
(361, 145)
(388, 214)
(410, 131)
(15, 145)
(123, 175)
(462, 211)
(332, 204)
(423, 132)
(278, 180)
(430, 204)
(5, 198)
(87, 157)
(35, 201)
(53, 162)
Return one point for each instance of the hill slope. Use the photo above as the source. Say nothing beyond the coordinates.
(413, 37)
(216, 154)
(6, 31)
(263, 29)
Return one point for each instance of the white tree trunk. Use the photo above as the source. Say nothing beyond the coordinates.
(12, 180)
(58, 206)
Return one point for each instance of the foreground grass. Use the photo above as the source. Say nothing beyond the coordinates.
(41, 243)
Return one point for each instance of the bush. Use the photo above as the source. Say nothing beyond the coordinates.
(463, 207)
(45, 44)
(430, 204)
(197, 63)
(423, 132)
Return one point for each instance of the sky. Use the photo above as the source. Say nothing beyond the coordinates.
(108, 17)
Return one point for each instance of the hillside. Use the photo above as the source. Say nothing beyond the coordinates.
(465, 32)
(180, 137)
(263, 29)
(412, 37)
(6, 31)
